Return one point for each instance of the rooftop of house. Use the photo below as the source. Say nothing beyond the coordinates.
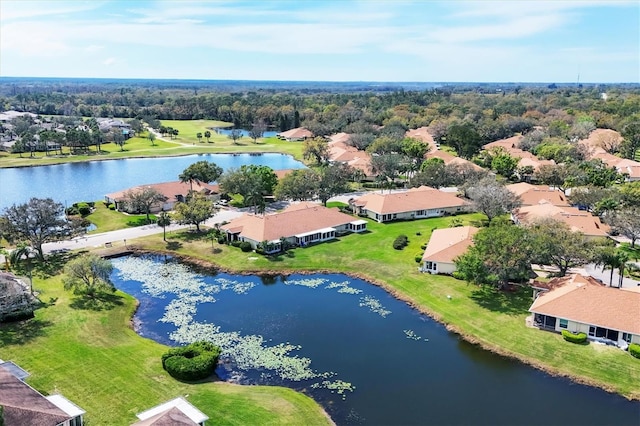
(578, 220)
(169, 189)
(422, 133)
(298, 132)
(535, 194)
(422, 198)
(450, 158)
(447, 244)
(296, 219)
(176, 412)
(582, 300)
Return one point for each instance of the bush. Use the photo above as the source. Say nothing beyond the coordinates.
(574, 338)
(111, 206)
(400, 242)
(245, 246)
(83, 209)
(221, 240)
(418, 257)
(235, 243)
(193, 362)
(71, 211)
(634, 350)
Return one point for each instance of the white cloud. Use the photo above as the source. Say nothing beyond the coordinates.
(24, 9)
(109, 61)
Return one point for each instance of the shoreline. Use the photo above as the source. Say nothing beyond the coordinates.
(469, 338)
(90, 160)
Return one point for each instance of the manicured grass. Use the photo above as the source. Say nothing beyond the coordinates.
(489, 317)
(186, 143)
(89, 353)
(111, 220)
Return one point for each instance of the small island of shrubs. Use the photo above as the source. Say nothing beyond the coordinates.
(192, 362)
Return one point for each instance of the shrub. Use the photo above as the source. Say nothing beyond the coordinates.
(71, 211)
(83, 209)
(574, 338)
(245, 246)
(236, 243)
(221, 240)
(400, 242)
(634, 350)
(418, 257)
(193, 362)
(111, 206)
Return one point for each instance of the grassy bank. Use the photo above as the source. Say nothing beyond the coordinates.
(90, 354)
(494, 319)
(185, 143)
(107, 220)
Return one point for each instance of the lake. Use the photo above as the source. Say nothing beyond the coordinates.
(90, 181)
(366, 357)
(244, 132)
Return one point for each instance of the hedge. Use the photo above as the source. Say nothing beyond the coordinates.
(192, 362)
(634, 350)
(245, 246)
(574, 338)
(400, 242)
(418, 257)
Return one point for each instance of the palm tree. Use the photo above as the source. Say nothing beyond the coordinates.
(164, 220)
(199, 136)
(207, 135)
(26, 252)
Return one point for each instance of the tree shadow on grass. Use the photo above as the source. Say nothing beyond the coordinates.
(53, 264)
(279, 257)
(100, 302)
(173, 245)
(139, 221)
(20, 332)
(515, 301)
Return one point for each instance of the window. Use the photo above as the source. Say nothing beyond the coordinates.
(564, 323)
(626, 337)
(592, 331)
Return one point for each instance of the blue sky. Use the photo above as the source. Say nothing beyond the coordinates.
(368, 40)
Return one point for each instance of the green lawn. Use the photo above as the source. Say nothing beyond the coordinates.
(186, 143)
(488, 317)
(111, 220)
(89, 353)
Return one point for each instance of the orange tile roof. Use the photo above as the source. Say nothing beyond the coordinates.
(341, 137)
(450, 159)
(298, 132)
(535, 194)
(422, 133)
(296, 219)
(508, 143)
(595, 137)
(447, 244)
(585, 302)
(578, 220)
(168, 189)
(561, 281)
(422, 198)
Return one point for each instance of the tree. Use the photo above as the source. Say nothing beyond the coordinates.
(557, 245)
(174, 133)
(164, 220)
(499, 254)
(334, 180)
(492, 199)
(195, 210)
(464, 138)
(234, 135)
(143, 200)
(361, 140)
(118, 138)
(207, 134)
(316, 151)
(387, 167)
(38, 221)
(152, 137)
(199, 136)
(611, 257)
(553, 175)
(88, 275)
(200, 172)
(252, 182)
(299, 185)
(432, 173)
(631, 143)
(626, 222)
(503, 163)
(258, 130)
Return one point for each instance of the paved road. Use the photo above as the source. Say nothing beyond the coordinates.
(118, 238)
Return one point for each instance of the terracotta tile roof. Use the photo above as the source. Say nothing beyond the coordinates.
(509, 143)
(535, 194)
(168, 189)
(609, 159)
(296, 219)
(586, 302)
(25, 406)
(297, 133)
(341, 152)
(578, 220)
(422, 198)
(534, 162)
(281, 173)
(567, 279)
(447, 244)
(450, 159)
(422, 133)
(595, 137)
(341, 137)
(171, 417)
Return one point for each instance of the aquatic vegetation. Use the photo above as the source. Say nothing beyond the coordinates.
(337, 386)
(343, 287)
(374, 305)
(307, 282)
(413, 336)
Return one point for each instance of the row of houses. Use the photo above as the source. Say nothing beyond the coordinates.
(23, 405)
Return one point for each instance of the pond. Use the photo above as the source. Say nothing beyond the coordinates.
(90, 181)
(244, 132)
(365, 356)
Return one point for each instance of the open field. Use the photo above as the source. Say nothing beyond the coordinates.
(494, 319)
(88, 352)
(111, 220)
(186, 143)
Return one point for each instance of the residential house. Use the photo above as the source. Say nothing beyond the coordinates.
(416, 203)
(109, 124)
(297, 134)
(341, 152)
(174, 192)
(532, 195)
(580, 304)
(299, 224)
(578, 220)
(178, 411)
(451, 159)
(23, 405)
(511, 146)
(444, 246)
(422, 134)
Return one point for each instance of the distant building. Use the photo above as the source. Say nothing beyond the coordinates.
(532, 195)
(174, 192)
(577, 220)
(297, 134)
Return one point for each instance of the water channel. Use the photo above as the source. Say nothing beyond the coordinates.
(90, 181)
(366, 357)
